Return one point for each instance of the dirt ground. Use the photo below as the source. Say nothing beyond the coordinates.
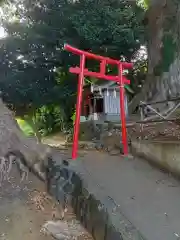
(19, 215)
(163, 131)
(24, 208)
(166, 131)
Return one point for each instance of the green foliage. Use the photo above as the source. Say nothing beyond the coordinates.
(170, 40)
(138, 75)
(25, 127)
(73, 116)
(143, 4)
(168, 52)
(50, 119)
(34, 66)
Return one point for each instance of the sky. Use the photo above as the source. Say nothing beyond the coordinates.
(2, 32)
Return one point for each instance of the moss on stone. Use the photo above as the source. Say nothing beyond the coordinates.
(169, 40)
(168, 52)
(158, 69)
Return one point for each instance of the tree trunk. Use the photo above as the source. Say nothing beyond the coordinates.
(163, 53)
(13, 139)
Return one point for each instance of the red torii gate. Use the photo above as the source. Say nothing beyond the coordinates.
(82, 72)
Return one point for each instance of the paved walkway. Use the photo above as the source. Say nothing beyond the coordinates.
(150, 199)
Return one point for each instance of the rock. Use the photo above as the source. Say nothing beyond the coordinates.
(62, 230)
(111, 139)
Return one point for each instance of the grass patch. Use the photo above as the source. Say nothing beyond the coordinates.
(25, 127)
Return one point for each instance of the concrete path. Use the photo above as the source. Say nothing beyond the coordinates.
(149, 198)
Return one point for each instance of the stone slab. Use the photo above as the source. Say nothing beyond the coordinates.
(121, 198)
(164, 154)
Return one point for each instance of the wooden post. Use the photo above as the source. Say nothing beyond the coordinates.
(142, 118)
(78, 108)
(82, 71)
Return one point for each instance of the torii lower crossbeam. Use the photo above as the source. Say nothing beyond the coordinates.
(82, 72)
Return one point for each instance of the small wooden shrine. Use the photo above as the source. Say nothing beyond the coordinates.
(101, 102)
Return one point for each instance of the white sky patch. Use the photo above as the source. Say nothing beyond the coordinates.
(3, 33)
(141, 54)
(20, 57)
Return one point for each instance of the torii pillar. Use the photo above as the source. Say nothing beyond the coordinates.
(82, 72)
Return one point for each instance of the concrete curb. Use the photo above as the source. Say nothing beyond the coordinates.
(162, 154)
(99, 214)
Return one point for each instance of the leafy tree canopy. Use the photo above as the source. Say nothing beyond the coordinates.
(32, 54)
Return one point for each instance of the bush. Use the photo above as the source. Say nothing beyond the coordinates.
(50, 119)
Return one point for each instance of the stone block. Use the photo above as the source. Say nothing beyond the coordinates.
(112, 234)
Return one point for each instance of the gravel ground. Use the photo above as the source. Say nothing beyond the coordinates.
(166, 131)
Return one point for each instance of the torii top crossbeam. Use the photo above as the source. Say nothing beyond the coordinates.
(96, 57)
(82, 72)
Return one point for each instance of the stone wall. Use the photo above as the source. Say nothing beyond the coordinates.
(164, 154)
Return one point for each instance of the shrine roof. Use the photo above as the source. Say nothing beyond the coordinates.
(109, 84)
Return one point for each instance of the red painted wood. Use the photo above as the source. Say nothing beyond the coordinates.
(76, 70)
(82, 71)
